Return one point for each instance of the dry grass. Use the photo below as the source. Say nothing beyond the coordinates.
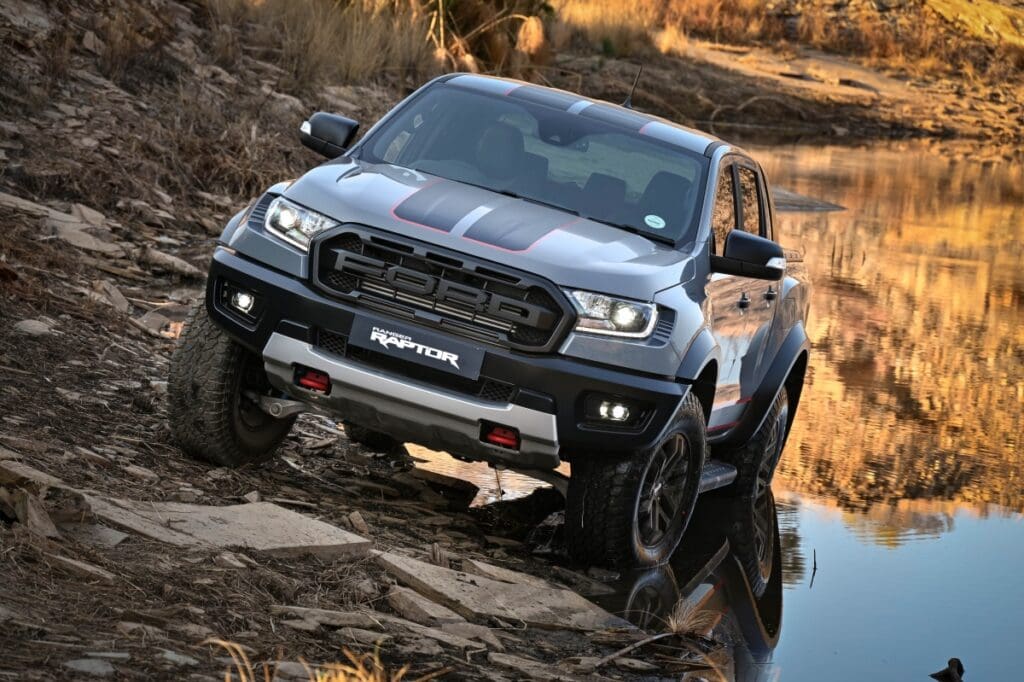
(326, 40)
(359, 668)
(916, 39)
(330, 41)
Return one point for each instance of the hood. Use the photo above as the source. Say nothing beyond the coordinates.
(563, 248)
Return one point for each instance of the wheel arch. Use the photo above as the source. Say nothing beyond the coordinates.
(787, 370)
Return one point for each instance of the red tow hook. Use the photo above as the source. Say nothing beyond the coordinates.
(505, 436)
(313, 380)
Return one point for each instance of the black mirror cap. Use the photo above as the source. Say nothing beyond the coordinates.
(748, 255)
(328, 134)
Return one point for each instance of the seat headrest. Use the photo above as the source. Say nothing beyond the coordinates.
(499, 151)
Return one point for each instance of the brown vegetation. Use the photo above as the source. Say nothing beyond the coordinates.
(912, 36)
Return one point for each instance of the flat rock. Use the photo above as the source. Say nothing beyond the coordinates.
(94, 534)
(32, 328)
(417, 608)
(530, 668)
(474, 631)
(175, 658)
(17, 472)
(479, 597)
(260, 526)
(327, 617)
(500, 574)
(75, 234)
(81, 568)
(33, 515)
(358, 523)
(170, 263)
(96, 667)
(361, 636)
(446, 638)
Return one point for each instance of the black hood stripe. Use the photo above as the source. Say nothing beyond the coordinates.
(440, 205)
(516, 226)
(480, 216)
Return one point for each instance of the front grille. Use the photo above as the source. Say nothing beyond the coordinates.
(450, 292)
(483, 388)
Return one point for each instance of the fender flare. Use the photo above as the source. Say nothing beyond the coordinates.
(792, 348)
(703, 349)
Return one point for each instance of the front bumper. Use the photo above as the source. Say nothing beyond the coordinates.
(545, 403)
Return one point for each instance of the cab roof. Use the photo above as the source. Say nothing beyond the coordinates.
(654, 126)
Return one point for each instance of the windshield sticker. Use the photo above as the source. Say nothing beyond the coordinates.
(655, 221)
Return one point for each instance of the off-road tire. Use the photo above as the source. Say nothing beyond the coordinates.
(210, 418)
(376, 441)
(604, 519)
(752, 506)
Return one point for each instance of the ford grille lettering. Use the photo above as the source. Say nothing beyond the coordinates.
(423, 284)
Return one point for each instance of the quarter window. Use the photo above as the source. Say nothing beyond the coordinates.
(751, 194)
(723, 219)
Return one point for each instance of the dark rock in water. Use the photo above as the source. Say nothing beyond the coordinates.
(954, 672)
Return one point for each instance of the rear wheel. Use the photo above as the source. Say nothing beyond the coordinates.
(632, 512)
(753, 510)
(213, 391)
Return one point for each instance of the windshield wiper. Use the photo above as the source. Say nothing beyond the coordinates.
(510, 193)
(634, 230)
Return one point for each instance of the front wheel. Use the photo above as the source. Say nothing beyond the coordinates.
(212, 390)
(633, 511)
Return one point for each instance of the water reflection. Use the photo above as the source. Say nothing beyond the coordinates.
(705, 592)
(916, 384)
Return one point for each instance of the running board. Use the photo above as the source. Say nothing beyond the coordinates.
(716, 475)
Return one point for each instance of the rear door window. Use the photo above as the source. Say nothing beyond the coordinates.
(723, 218)
(750, 192)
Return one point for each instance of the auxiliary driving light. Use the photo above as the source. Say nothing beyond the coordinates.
(612, 411)
(242, 301)
(616, 412)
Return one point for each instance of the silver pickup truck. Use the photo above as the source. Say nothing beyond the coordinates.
(518, 275)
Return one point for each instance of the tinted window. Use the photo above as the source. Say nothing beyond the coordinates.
(751, 195)
(586, 166)
(723, 219)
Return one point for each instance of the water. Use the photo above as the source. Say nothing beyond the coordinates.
(904, 473)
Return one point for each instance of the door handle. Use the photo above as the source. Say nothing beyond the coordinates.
(744, 301)
(771, 294)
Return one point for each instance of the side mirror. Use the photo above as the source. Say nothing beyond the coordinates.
(748, 255)
(328, 134)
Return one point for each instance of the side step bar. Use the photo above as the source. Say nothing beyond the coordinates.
(716, 475)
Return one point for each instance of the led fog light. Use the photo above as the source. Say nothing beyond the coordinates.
(616, 412)
(242, 301)
(613, 411)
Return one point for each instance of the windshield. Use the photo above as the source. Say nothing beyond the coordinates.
(542, 154)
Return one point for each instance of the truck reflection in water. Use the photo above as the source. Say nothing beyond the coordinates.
(730, 633)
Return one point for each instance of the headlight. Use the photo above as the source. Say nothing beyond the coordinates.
(600, 314)
(294, 224)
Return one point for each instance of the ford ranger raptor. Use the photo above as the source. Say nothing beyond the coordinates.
(517, 275)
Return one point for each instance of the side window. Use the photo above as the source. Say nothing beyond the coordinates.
(723, 218)
(751, 194)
